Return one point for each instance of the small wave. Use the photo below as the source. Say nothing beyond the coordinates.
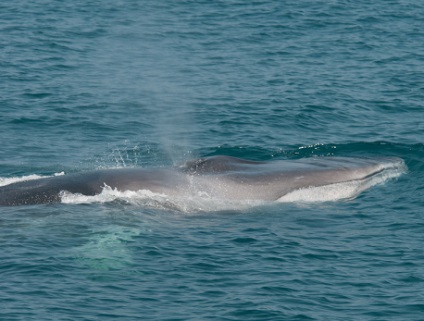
(10, 180)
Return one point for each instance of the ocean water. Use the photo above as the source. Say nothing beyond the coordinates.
(102, 84)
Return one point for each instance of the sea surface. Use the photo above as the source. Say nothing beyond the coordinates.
(91, 84)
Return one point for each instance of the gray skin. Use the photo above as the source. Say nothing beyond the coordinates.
(220, 177)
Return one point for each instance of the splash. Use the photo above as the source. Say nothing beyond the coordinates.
(197, 202)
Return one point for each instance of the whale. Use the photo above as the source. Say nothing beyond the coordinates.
(217, 177)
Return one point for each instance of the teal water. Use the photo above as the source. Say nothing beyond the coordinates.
(100, 84)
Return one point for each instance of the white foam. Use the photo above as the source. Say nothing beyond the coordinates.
(10, 180)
